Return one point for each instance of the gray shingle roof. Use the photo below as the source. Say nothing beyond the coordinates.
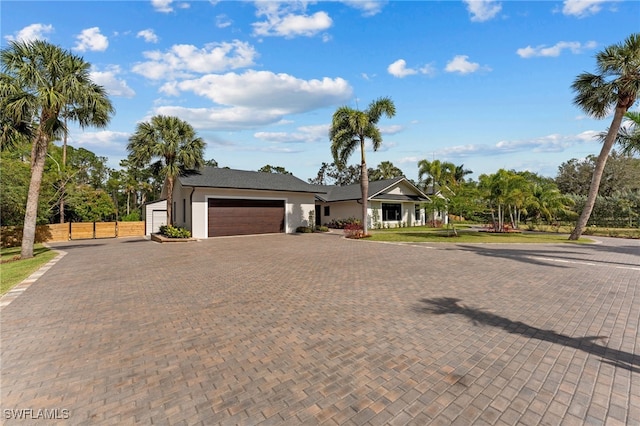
(213, 177)
(352, 192)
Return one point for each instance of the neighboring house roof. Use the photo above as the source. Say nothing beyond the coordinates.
(214, 177)
(377, 190)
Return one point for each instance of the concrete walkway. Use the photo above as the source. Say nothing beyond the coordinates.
(309, 329)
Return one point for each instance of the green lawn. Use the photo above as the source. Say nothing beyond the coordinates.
(442, 235)
(14, 271)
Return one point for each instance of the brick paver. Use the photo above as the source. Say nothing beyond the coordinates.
(309, 329)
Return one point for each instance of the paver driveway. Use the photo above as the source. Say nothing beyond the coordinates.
(283, 329)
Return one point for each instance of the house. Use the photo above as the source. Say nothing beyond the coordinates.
(391, 203)
(214, 202)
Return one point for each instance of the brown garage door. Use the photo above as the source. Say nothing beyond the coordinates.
(245, 217)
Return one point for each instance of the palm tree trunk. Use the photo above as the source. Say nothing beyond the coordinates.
(597, 173)
(364, 186)
(38, 155)
(64, 168)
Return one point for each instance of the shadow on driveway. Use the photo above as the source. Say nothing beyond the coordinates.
(450, 305)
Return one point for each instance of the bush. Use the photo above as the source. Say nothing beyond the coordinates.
(131, 217)
(354, 230)
(170, 231)
(304, 230)
(322, 229)
(343, 223)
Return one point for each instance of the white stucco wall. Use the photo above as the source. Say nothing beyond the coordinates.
(297, 206)
(158, 206)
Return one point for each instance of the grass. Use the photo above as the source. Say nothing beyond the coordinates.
(441, 235)
(14, 272)
(593, 230)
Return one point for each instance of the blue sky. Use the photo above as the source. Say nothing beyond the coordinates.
(480, 83)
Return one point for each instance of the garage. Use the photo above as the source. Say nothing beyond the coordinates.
(245, 216)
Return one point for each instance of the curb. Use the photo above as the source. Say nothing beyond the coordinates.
(16, 291)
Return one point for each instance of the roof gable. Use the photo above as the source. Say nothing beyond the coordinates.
(214, 177)
(378, 189)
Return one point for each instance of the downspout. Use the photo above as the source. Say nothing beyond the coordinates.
(193, 188)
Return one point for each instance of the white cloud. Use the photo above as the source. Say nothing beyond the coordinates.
(104, 139)
(304, 134)
(555, 50)
(483, 10)
(267, 90)
(399, 69)
(31, 32)
(148, 35)
(163, 6)
(223, 21)
(582, 8)
(368, 7)
(549, 143)
(109, 80)
(391, 129)
(254, 98)
(91, 39)
(182, 60)
(462, 65)
(284, 20)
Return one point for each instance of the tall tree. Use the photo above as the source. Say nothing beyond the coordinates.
(350, 128)
(174, 143)
(39, 81)
(274, 169)
(385, 170)
(436, 173)
(616, 84)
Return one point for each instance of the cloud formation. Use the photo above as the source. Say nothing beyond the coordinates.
(460, 64)
(555, 50)
(304, 134)
(148, 35)
(183, 60)
(289, 20)
(549, 143)
(110, 81)
(90, 39)
(483, 10)
(399, 69)
(582, 8)
(30, 33)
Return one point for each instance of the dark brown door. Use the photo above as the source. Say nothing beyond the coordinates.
(245, 217)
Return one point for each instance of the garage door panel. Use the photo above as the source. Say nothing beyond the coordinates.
(244, 217)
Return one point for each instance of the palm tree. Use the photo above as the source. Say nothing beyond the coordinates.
(385, 170)
(629, 136)
(39, 81)
(349, 129)
(617, 85)
(437, 173)
(459, 173)
(171, 141)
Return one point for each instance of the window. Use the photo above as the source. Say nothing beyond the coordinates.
(184, 210)
(391, 211)
(417, 213)
(327, 210)
(173, 212)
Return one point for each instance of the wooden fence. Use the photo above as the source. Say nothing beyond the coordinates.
(12, 235)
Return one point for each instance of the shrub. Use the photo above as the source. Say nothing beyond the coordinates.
(322, 229)
(304, 229)
(342, 223)
(170, 231)
(354, 230)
